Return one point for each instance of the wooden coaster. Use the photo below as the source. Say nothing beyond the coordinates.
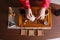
(23, 32)
(31, 32)
(40, 33)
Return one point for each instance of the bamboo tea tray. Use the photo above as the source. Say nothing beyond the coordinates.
(24, 23)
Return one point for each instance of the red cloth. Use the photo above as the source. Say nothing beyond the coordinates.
(26, 3)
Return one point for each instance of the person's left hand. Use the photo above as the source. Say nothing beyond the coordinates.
(42, 14)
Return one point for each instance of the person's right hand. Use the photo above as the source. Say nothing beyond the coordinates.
(29, 15)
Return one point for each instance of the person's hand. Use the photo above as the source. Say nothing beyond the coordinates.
(42, 14)
(29, 15)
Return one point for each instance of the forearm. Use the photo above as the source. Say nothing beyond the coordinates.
(25, 3)
(45, 4)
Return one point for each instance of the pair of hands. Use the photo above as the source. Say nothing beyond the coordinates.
(31, 17)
